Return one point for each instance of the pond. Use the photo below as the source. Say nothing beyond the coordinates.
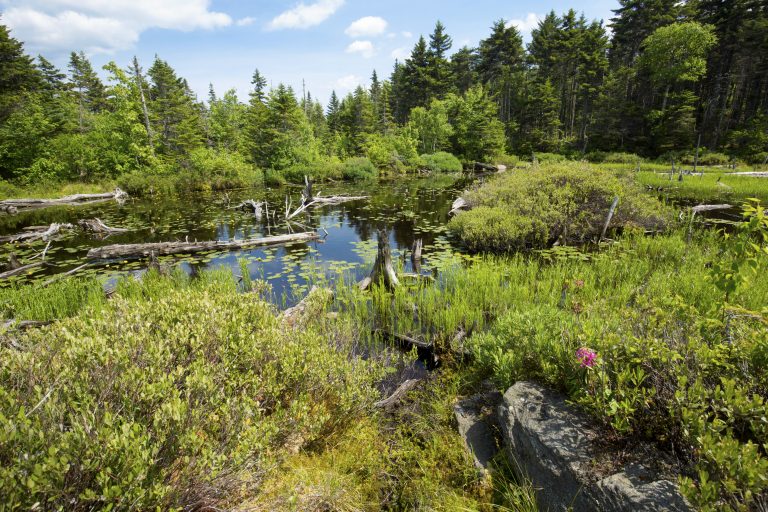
(406, 208)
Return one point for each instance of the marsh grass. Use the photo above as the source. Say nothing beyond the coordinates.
(712, 185)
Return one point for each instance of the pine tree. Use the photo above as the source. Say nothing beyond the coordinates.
(438, 68)
(18, 74)
(463, 69)
(502, 50)
(176, 117)
(332, 112)
(634, 21)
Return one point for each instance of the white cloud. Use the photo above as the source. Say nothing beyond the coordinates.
(306, 15)
(244, 22)
(400, 53)
(406, 34)
(530, 22)
(369, 26)
(103, 27)
(364, 48)
(348, 82)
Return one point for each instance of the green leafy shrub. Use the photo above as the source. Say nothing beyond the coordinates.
(441, 162)
(705, 158)
(511, 161)
(569, 202)
(359, 168)
(144, 406)
(274, 178)
(323, 170)
(550, 157)
(393, 153)
(622, 158)
(211, 169)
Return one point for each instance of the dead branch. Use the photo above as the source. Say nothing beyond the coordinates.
(395, 398)
(15, 205)
(98, 227)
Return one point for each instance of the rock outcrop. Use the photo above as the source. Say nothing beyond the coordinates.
(555, 446)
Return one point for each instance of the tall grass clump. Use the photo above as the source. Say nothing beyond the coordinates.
(566, 202)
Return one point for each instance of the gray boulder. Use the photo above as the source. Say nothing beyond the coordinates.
(553, 445)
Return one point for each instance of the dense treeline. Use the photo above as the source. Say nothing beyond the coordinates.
(672, 75)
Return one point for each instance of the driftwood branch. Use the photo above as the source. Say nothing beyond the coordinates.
(20, 270)
(37, 233)
(709, 207)
(316, 299)
(459, 204)
(98, 227)
(251, 206)
(319, 201)
(403, 339)
(165, 248)
(396, 397)
(608, 218)
(15, 205)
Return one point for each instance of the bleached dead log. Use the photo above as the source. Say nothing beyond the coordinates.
(37, 233)
(309, 306)
(165, 248)
(752, 174)
(20, 270)
(485, 167)
(459, 204)
(383, 271)
(395, 398)
(710, 207)
(320, 201)
(73, 200)
(97, 226)
(252, 206)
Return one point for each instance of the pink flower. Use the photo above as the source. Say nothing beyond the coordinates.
(586, 357)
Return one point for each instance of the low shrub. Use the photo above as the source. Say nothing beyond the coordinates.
(510, 161)
(323, 170)
(441, 162)
(358, 168)
(273, 178)
(145, 406)
(622, 158)
(568, 202)
(706, 158)
(550, 157)
(211, 169)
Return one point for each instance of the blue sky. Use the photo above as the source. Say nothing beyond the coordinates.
(330, 44)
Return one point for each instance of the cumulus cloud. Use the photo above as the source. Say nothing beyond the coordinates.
(406, 34)
(400, 53)
(306, 15)
(98, 26)
(244, 22)
(348, 82)
(368, 26)
(364, 48)
(530, 22)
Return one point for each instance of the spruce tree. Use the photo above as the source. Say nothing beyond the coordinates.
(18, 74)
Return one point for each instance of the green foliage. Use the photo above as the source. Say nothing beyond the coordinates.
(677, 52)
(442, 162)
(613, 158)
(322, 170)
(431, 127)
(550, 157)
(566, 202)
(478, 134)
(393, 153)
(358, 169)
(211, 169)
(161, 407)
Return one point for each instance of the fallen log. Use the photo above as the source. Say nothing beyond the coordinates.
(22, 325)
(459, 204)
(710, 207)
(309, 306)
(20, 270)
(395, 398)
(96, 226)
(166, 248)
(403, 339)
(485, 167)
(752, 174)
(38, 233)
(73, 200)
(322, 201)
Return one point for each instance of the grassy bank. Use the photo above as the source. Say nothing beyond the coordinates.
(712, 185)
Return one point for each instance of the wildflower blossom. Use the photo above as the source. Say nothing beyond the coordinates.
(586, 357)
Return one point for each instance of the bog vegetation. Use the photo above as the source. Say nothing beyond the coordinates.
(188, 393)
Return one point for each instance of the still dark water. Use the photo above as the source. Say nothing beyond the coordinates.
(407, 208)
